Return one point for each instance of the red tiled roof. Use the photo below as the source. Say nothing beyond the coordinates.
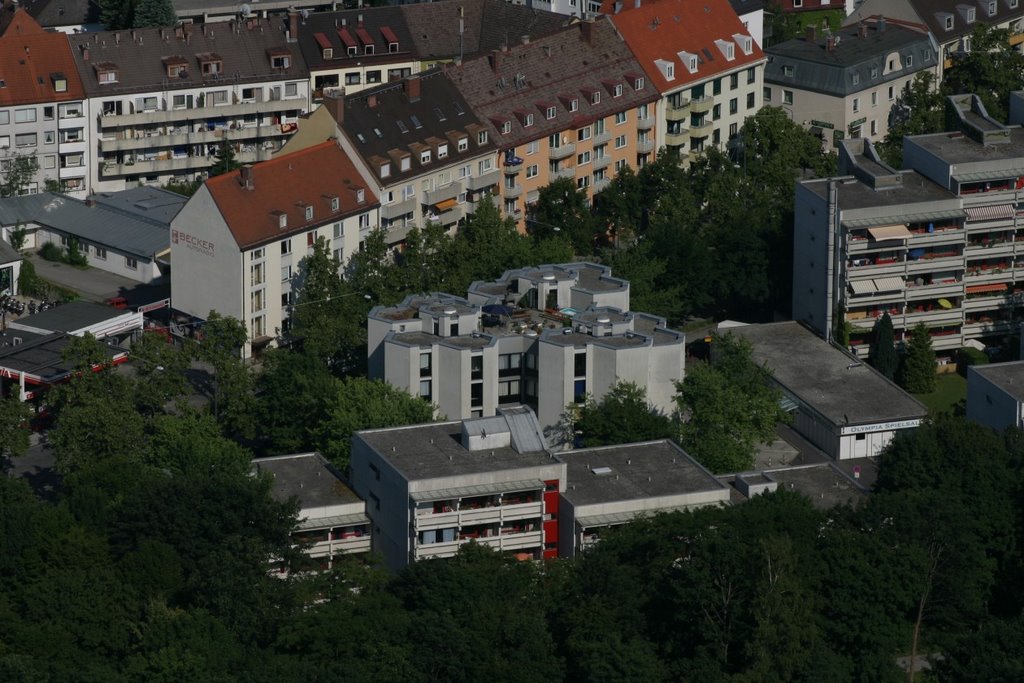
(347, 38)
(30, 60)
(286, 185)
(388, 34)
(661, 29)
(322, 41)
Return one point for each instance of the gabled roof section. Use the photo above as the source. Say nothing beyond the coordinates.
(588, 59)
(51, 13)
(249, 52)
(408, 119)
(486, 24)
(35, 65)
(658, 31)
(372, 35)
(853, 59)
(935, 14)
(285, 186)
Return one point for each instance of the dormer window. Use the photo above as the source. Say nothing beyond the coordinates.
(638, 84)
(949, 23)
(280, 61)
(442, 151)
(550, 113)
(385, 170)
(506, 128)
(308, 210)
(360, 196)
(326, 49)
(992, 8)
(106, 72)
(406, 163)
(334, 202)
(617, 90)
(282, 219)
(727, 48)
(595, 97)
(390, 38)
(353, 50)
(59, 82)
(667, 69)
(425, 157)
(574, 104)
(529, 121)
(176, 67)
(787, 70)
(463, 144)
(210, 64)
(481, 137)
(746, 43)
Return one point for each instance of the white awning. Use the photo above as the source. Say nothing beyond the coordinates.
(990, 213)
(888, 284)
(889, 232)
(862, 286)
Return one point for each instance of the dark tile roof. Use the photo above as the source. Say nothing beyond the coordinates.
(140, 54)
(833, 71)
(33, 61)
(386, 123)
(487, 25)
(285, 185)
(552, 71)
(352, 28)
(934, 12)
(50, 13)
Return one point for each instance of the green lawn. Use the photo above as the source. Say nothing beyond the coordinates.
(950, 389)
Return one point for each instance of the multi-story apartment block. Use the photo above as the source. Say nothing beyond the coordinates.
(238, 244)
(332, 521)
(430, 489)
(355, 49)
(42, 112)
(950, 22)
(546, 337)
(707, 68)
(162, 101)
(937, 244)
(845, 84)
(423, 149)
(584, 120)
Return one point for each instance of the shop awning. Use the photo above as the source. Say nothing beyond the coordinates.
(981, 289)
(889, 232)
(447, 204)
(862, 286)
(888, 284)
(990, 213)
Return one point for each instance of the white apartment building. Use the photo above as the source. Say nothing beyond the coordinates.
(431, 489)
(845, 84)
(705, 64)
(332, 521)
(42, 112)
(939, 243)
(162, 101)
(238, 245)
(545, 337)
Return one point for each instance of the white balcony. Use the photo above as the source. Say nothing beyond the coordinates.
(561, 152)
(159, 116)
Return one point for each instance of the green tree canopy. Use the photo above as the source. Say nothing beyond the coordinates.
(917, 374)
(623, 415)
(153, 13)
(883, 356)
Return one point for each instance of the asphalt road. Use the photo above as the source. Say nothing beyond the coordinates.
(93, 284)
(37, 467)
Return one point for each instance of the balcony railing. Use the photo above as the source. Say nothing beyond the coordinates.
(702, 105)
(561, 152)
(484, 180)
(645, 123)
(158, 116)
(678, 112)
(190, 138)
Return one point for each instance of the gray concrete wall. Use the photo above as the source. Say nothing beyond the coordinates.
(989, 405)
(811, 260)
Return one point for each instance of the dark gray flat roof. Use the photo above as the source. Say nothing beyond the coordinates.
(651, 469)
(41, 355)
(8, 254)
(912, 196)
(435, 450)
(71, 316)
(839, 387)
(1007, 376)
(153, 204)
(307, 477)
(955, 148)
(823, 484)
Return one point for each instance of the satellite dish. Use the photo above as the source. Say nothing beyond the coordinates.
(246, 11)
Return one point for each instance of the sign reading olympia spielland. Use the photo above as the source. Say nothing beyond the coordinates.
(880, 427)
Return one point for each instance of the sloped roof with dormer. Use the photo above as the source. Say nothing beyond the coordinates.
(33, 62)
(285, 186)
(374, 35)
(665, 32)
(141, 56)
(562, 71)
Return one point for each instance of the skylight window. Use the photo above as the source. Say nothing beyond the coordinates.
(440, 114)
(401, 126)
(415, 122)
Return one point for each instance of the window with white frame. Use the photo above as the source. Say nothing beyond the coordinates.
(24, 115)
(550, 113)
(531, 171)
(506, 127)
(532, 146)
(620, 142)
(463, 144)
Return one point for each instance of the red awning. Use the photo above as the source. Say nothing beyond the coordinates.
(981, 289)
(447, 205)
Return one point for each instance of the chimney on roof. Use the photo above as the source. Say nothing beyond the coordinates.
(245, 176)
(525, 40)
(495, 59)
(371, 101)
(587, 29)
(862, 30)
(412, 87)
(811, 33)
(334, 100)
(880, 24)
(293, 26)
(830, 43)
(85, 52)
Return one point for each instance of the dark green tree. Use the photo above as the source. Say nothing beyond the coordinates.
(321, 326)
(222, 339)
(917, 374)
(991, 69)
(623, 415)
(117, 14)
(159, 372)
(14, 428)
(225, 160)
(562, 211)
(919, 109)
(359, 403)
(153, 13)
(306, 386)
(727, 407)
(883, 356)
